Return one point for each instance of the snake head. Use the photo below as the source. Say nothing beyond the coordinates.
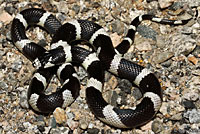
(50, 58)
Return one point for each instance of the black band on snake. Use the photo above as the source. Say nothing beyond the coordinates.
(104, 58)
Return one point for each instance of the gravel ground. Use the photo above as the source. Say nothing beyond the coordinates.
(173, 53)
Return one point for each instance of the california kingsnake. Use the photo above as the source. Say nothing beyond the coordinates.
(57, 61)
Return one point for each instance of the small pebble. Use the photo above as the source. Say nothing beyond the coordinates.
(93, 131)
(160, 41)
(143, 46)
(52, 122)
(6, 18)
(3, 85)
(165, 3)
(59, 130)
(23, 100)
(147, 32)
(76, 8)
(59, 115)
(72, 124)
(112, 100)
(162, 57)
(167, 63)
(117, 26)
(176, 117)
(188, 104)
(193, 59)
(83, 124)
(193, 116)
(157, 126)
(20, 115)
(193, 96)
(16, 66)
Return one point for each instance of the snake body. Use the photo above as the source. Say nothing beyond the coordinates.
(104, 57)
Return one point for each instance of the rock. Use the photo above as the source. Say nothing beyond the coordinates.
(176, 117)
(137, 93)
(10, 9)
(147, 32)
(193, 59)
(160, 41)
(143, 46)
(93, 131)
(113, 99)
(29, 126)
(23, 100)
(83, 124)
(164, 30)
(52, 122)
(192, 95)
(161, 57)
(147, 126)
(11, 57)
(194, 81)
(5, 18)
(20, 115)
(117, 26)
(187, 30)
(3, 85)
(194, 3)
(167, 63)
(167, 131)
(61, 6)
(72, 124)
(116, 12)
(16, 66)
(59, 115)
(71, 115)
(157, 126)
(188, 104)
(91, 125)
(40, 118)
(118, 131)
(59, 130)
(125, 86)
(182, 44)
(176, 5)
(193, 116)
(171, 108)
(165, 3)
(76, 8)
(77, 115)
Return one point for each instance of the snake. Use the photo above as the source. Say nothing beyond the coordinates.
(63, 52)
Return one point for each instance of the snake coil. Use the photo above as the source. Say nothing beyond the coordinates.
(58, 60)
